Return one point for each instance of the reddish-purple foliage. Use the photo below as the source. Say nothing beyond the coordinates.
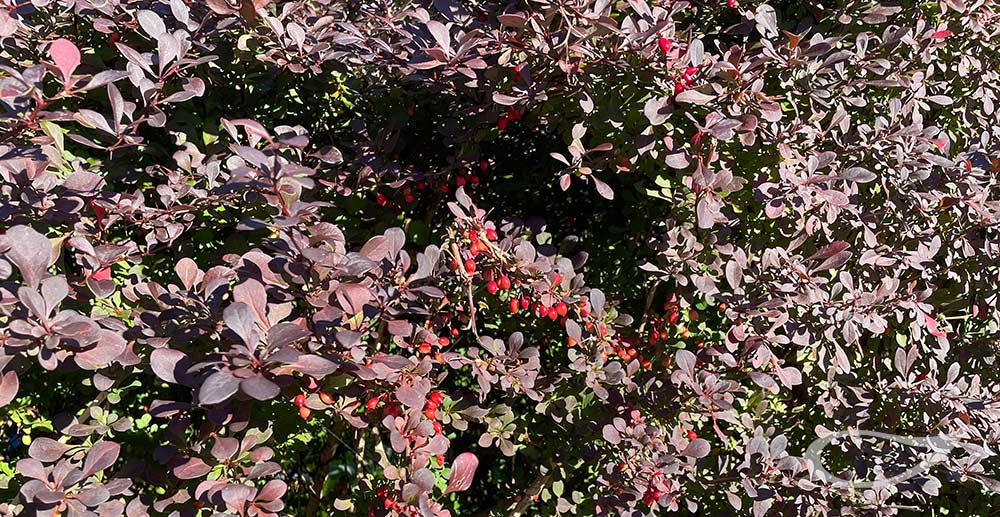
(226, 224)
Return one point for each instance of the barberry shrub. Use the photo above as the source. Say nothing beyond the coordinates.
(602, 257)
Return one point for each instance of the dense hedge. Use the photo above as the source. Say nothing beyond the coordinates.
(502, 258)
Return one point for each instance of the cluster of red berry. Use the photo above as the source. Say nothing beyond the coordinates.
(652, 493)
(300, 400)
(434, 400)
(461, 180)
(512, 116)
(685, 79)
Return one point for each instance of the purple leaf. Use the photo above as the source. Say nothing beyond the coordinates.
(46, 450)
(101, 456)
(239, 319)
(30, 251)
(463, 469)
(191, 469)
(603, 189)
(188, 272)
(66, 57)
(108, 347)
(259, 388)
(698, 448)
(168, 364)
(829, 250)
(218, 387)
(8, 387)
(835, 261)
(272, 490)
(225, 447)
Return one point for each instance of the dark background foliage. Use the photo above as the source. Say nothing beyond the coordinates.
(497, 258)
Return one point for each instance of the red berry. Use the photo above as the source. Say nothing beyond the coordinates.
(664, 45)
(552, 313)
(436, 397)
(678, 86)
(504, 282)
(300, 400)
(430, 413)
(692, 435)
(483, 165)
(380, 199)
(409, 198)
(460, 180)
(491, 234)
(470, 266)
(305, 412)
(473, 179)
(437, 427)
(373, 403)
(514, 306)
(454, 332)
(731, 3)
(561, 308)
(440, 460)
(584, 313)
(381, 491)
(388, 503)
(424, 348)
(524, 302)
(453, 265)
(326, 398)
(492, 287)
(443, 341)
(502, 123)
(513, 114)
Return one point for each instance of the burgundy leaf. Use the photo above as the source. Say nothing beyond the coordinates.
(169, 364)
(30, 251)
(101, 456)
(218, 387)
(462, 471)
(66, 57)
(259, 388)
(8, 387)
(192, 468)
(698, 448)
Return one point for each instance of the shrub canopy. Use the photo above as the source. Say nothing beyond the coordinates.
(499, 258)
